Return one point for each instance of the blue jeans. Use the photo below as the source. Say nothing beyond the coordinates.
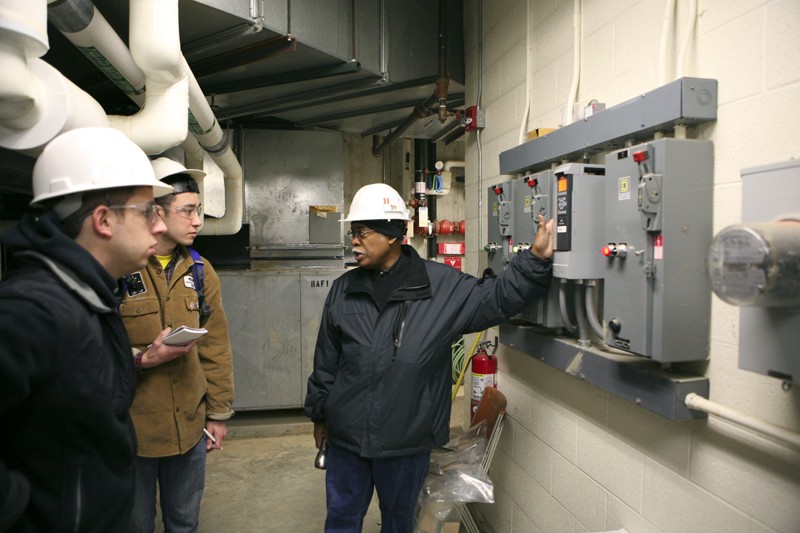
(349, 481)
(181, 479)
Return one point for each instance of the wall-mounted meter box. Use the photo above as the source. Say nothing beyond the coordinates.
(658, 216)
(765, 279)
(579, 214)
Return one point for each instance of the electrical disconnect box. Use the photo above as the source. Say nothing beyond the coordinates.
(658, 204)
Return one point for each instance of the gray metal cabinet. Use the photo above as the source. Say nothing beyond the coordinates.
(273, 318)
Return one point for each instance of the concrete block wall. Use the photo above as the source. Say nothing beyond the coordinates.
(572, 457)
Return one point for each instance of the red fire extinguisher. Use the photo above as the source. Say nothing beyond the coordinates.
(484, 372)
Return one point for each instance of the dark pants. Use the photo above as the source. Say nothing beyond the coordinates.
(349, 482)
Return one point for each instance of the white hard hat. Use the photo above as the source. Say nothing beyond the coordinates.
(377, 201)
(164, 166)
(90, 159)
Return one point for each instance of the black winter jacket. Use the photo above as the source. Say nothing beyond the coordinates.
(382, 381)
(66, 383)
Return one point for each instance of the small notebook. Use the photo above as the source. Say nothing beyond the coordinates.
(183, 335)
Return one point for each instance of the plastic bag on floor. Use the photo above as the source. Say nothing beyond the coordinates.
(455, 477)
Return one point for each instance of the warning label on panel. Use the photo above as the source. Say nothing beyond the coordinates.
(624, 188)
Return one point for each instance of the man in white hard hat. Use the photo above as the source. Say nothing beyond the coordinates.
(379, 394)
(179, 399)
(66, 367)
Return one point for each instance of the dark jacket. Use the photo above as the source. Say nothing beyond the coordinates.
(66, 384)
(382, 380)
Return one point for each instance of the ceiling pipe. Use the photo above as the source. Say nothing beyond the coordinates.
(156, 49)
(36, 101)
(437, 101)
(201, 120)
(87, 28)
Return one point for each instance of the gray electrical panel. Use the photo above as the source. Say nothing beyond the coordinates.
(500, 225)
(658, 220)
(579, 216)
(512, 230)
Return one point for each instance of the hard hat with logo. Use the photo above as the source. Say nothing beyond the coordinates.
(377, 201)
(90, 159)
(165, 167)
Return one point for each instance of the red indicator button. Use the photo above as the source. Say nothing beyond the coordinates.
(498, 191)
(607, 251)
(640, 156)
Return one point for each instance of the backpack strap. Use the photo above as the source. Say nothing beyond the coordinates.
(197, 274)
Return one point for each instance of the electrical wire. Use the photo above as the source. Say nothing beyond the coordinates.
(460, 379)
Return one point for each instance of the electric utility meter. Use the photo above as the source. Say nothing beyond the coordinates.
(757, 264)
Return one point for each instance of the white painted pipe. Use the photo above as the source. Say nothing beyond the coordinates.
(666, 31)
(576, 60)
(231, 222)
(155, 46)
(115, 60)
(774, 432)
(453, 163)
(209, 134)
(63, 107)
(687, 37)
(23, 36)
(203, 125)
(523, 126)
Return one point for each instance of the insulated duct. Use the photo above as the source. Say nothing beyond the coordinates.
(96, 39)
(36, 101)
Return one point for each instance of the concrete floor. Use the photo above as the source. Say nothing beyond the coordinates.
(264, 480)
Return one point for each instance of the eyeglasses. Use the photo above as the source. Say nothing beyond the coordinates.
(187, 212)
(359, 233)
(149, 210)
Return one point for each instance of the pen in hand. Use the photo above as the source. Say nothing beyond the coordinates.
(210, 436)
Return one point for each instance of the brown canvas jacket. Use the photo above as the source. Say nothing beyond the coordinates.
(173, 400)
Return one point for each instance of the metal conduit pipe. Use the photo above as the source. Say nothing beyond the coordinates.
(591, 310)
(438, 100)
(580, 315)
(562, 306)
(774, 432)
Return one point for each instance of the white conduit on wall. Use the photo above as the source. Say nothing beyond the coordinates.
(776, 433)
(576, 61)
(666, 31)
